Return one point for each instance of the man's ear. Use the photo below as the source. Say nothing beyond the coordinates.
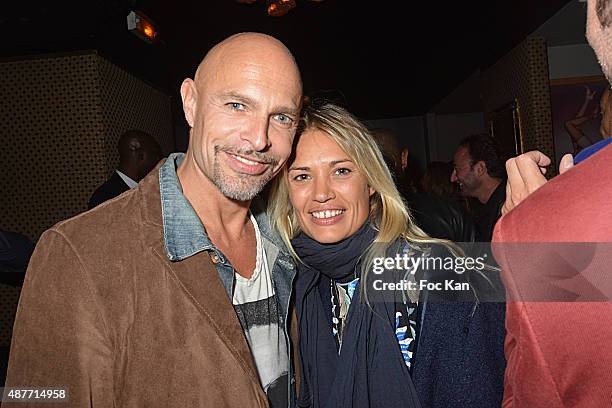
(480, 168)
(135, 147)
(189, 95)
(404, 156)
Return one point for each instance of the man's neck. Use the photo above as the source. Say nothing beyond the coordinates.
(222, 217)
(488, 186)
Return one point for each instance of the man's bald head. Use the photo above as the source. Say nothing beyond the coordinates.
(253, 47)
(139, 152)
(390, 148)
(134, 140)
(243, 108)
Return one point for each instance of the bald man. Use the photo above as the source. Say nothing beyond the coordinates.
(139, 152)
(176, 293)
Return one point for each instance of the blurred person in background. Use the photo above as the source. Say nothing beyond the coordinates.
(139, 152)
(479, 172)
(438, 217)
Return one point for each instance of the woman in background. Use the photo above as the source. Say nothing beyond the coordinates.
(338, 210)
(436, 180)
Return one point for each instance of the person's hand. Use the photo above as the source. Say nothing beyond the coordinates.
(526, 174)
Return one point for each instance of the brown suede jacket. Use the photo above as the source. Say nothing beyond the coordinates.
(105, 314)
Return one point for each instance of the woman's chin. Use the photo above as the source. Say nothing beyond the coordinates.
(329, 236)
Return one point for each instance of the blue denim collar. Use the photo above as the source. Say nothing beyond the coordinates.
(184, 234)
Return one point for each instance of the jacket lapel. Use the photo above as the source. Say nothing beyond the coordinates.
(198, 278)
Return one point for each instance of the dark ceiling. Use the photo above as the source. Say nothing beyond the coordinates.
(383, 58)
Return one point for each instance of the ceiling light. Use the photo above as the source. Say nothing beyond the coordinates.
(278, 8)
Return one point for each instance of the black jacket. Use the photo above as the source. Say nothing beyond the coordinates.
(110, 189)
(15, 253)
(440, 218)
(486, 215)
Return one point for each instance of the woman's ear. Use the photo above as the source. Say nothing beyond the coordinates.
(372, 191)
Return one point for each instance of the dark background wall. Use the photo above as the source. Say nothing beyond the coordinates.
(522, 75)
(60, 119)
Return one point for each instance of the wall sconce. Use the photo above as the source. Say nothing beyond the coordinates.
(141, 26)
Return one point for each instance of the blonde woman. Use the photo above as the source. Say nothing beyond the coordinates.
(362, 345)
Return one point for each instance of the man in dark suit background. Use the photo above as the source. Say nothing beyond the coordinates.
(138, 155)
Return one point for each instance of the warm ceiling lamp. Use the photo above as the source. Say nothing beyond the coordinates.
(277, 8)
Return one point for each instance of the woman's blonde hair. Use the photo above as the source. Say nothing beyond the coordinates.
(388, 212)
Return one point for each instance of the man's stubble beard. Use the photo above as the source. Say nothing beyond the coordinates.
(470, 186)
(599, 33)
(241, 187)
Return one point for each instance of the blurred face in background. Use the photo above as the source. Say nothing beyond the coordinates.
(150, 156)
(464, 173)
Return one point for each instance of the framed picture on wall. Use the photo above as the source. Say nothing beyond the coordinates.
(576, 113)
(505, 127)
